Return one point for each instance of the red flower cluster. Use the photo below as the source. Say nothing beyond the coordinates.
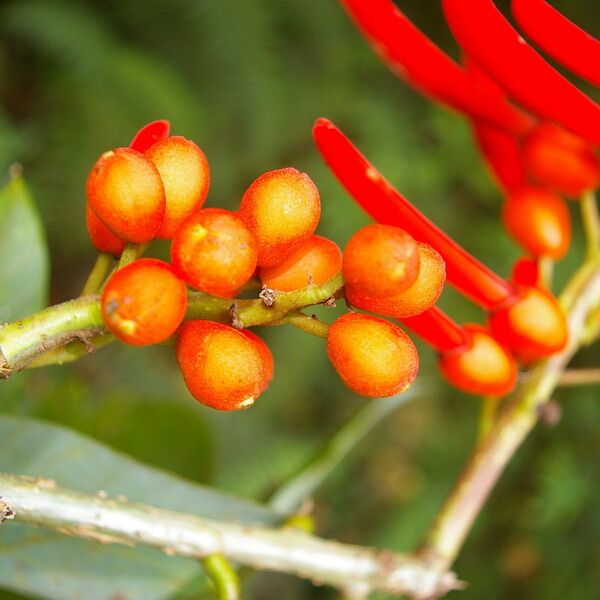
(539, 151)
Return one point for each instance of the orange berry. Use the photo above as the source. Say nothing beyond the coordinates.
(316, 261)
(381, 260)
(125, 191)
(482, 366)
(214, 251)
(532, 326)
(185, 175)
(102, 237)
(263, 350)
(420, 296)
(539, 220)
(221, 366)
(144, 302)
(281, 208)
(560, 160)
(373, 357)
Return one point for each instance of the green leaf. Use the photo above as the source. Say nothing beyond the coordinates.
(49, 565)
(24, 260)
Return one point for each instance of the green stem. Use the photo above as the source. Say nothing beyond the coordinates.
(63, 332)
(489, 408)
(291, 495)
(223, 575)
(308, 324)
(591, 223)
(97, 274)
(132, 252)
(546, 271)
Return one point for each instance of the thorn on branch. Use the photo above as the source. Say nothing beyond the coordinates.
(550, 413)
(268, 296)
(6, 512)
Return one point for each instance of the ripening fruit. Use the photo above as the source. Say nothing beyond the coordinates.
(532, 326)
(373, 357)
(560, 160)
(102, 237)
(263, 350)
(125, 191)
(144, 302)
(420, 296)
(214, 251)
(281, 208)
(482, 366)
(539, 221)
(221, 366)
(315, 261)
(185, 175)
(381, 260)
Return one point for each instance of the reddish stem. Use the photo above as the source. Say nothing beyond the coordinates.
(437, 329)
(415, 58)
(560, 38)
(386, 205)
(486, 36)
(150, 134)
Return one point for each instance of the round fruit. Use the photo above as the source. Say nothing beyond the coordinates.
(316, 261)
(539, 221)
(102, 237)
(214, 251)
(532, 326)
(373, 357)
(560, 160)
(125, 191)
(482, 366)
(144, 302)
(420, 296)
(185, 175)
(150, 134)
(222, 367)
(281, 208)
(381, 260)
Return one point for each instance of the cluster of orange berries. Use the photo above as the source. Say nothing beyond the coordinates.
(156, 188)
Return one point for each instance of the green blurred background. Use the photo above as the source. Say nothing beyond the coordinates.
(246, 79)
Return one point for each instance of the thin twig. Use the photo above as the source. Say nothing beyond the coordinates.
(223, 575)
(97, 274)
(45, 504)
(290, 496)
(574, 377)
(490, 458)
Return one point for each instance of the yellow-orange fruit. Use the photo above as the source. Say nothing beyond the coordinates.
(532, 326)
(185, 174)
(144, 302)
(381, 260)
(420, 296)
(222, 368)
(214, 251)
(560, 160)
(281, 208)
(263, 350)
(126, 193)
(373, 357)
(482, 366)
(316, 261)
(539, 221)
(102, 237)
